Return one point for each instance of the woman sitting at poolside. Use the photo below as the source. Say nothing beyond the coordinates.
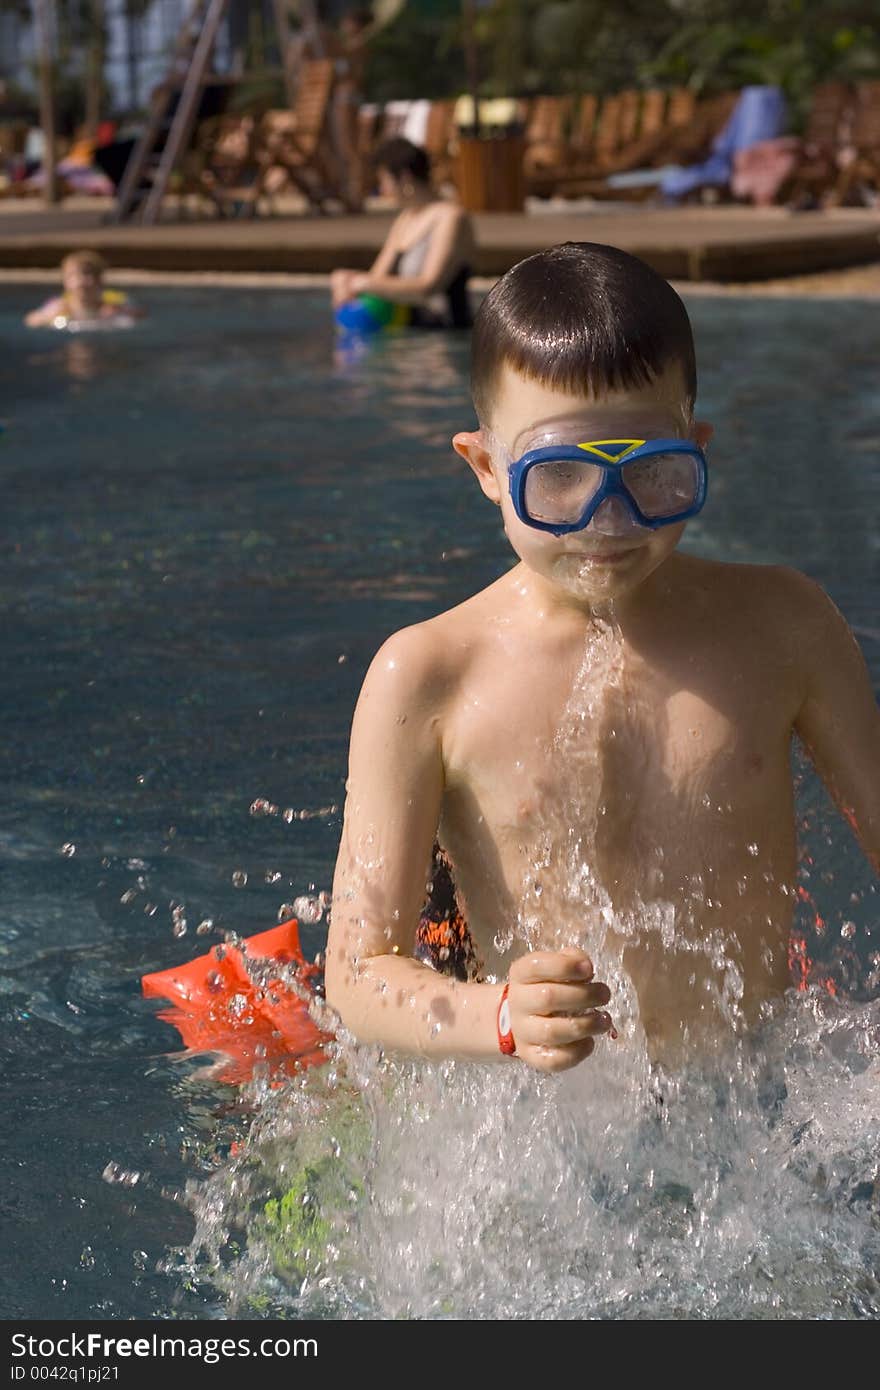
(426, 261)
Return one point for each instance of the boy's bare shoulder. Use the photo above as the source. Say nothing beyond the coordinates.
(777, 589)
(775, 609)
(427, 660)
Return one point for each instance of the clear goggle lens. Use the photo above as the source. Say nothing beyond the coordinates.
(662, 485)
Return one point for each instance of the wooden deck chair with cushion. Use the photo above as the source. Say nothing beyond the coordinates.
(858, 179)
(222, 164)
(826, 140)
(292, 145)
(295, 143)
(685, 137)
(616, 138)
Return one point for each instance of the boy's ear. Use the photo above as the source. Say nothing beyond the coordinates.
(471, 445)
(702, 432)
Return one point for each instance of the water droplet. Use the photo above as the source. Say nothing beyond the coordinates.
(87, 1258)
(140, 1259)
(205, 926)
(285, 912)
(341, 660)
(239, 878)
(68, 850)
(114, 1172)
(271, 876)
(178, 920)
(128, 896)
(307, 909)
(848, 931)
(752, 849)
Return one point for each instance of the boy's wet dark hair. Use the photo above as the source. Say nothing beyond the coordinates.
(580, 317)
(400, 156)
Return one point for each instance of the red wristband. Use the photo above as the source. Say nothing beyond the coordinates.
(506, 1041)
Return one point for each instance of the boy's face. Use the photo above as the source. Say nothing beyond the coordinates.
(613, 555)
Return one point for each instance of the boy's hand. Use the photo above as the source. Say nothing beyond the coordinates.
(555, 1008)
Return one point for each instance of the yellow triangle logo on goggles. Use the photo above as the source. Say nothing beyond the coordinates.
(611, 450)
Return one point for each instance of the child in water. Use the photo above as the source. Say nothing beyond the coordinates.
(600, 741)
(84, 299)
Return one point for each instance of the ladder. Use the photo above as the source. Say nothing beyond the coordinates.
(189, 64)
(191, 59)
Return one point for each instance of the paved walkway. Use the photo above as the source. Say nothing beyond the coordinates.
(693, 243)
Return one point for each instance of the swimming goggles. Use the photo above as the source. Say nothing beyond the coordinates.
(560, 487)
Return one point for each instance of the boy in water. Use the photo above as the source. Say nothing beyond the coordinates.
(85, 298)
(601, 739)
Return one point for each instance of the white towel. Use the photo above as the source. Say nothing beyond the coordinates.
(415, 127)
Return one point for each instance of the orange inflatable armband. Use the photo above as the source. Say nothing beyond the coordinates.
(217, 1006)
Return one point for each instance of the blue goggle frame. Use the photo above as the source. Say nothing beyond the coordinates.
(611, 455)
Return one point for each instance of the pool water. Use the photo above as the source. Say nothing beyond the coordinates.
(212, 522)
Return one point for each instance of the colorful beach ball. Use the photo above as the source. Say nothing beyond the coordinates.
(370, 314)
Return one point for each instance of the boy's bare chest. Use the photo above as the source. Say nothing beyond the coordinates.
(618, 744)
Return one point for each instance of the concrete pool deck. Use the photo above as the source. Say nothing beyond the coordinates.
(724, 244)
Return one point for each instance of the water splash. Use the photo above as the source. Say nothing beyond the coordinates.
(388, 1189)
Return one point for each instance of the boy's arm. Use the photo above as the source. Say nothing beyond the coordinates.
(839, 720)
(394, 792)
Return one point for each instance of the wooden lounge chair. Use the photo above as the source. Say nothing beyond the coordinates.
(582, 140)
(290, 146)
(859, 160)
(545, 135)
(687, 131)
(550, 164)
(827, 137)
(223, 164)
(295, 143)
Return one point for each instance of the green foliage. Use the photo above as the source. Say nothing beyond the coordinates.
(418, 55)
(556, 46)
